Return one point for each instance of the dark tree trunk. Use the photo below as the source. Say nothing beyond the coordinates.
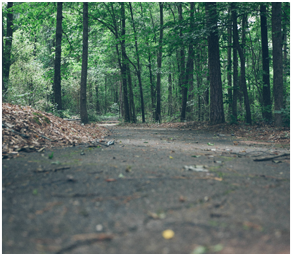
(97, 100)
(242, 64)
(183, 80)
(159, 59)
(152, 86)
(216, 97)
(138, 67)
(229, 64)
(267, 110)
(169, 95)
(124, 59)
(286, 66)
(277, 62)
(8, 42)
(132, 103)
(83, 108)
(57, 75)
(2, 88)
(190, 61)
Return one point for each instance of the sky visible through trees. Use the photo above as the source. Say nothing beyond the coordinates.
(144, 62)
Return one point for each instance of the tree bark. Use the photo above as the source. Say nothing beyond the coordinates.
(229, 63)
(139, 68)
(8, 42)
(124, 68)
(169, 95)
(2, 88)
(83, 107)
(277, 62)
(242, 64)
(183, 85)
(132, 103)
(57, 75)
(190, 61)
(216, 97)
(267, 111)
(159, 60)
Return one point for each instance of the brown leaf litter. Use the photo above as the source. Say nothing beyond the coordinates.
(27, 129)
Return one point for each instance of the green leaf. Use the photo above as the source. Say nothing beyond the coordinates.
(51, 155)
(210, 144)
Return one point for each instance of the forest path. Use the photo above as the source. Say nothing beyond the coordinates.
(120, 198)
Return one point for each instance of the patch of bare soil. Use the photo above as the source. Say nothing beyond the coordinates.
(28, 129)
(258, 132)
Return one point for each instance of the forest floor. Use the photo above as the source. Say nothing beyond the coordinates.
(169, 188)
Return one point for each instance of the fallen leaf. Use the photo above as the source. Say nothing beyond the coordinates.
(168, 234)
(110, 180)
(170, 157)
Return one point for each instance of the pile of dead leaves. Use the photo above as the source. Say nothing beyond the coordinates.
(28, 129)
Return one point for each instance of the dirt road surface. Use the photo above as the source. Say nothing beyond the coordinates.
(209, 193)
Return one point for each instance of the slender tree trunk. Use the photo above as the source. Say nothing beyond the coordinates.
(152, 86)
(105, 98)
(235, 66)
(216, 97)
(199, 84)
(2, 88)
(6, 57)
(169, 95)
(267, 110)
(190, 61)
(132, 103)
(139, 68)
(57, 75)
(83, 108)
(277, 62)
(242, 72)
(97, 108)
(159, 60)
(183, 80)
(229, 64)
(124, 59)
(286, 66)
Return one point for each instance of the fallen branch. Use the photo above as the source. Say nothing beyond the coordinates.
(83, 239)
(52, 170)
(270, 157)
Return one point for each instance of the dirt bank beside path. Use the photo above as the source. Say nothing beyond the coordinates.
(216, 196)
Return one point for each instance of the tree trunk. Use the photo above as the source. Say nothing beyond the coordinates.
(8, 42)
(83, 108)
(124, 68)
(138, 65)
(190, 61)
(242, 63)
(97, 101)
(277, 62)
(216, 97)
(229, 64)
(132, 103)
(267, 110)
(159, 59)
(2, 88)
(183, 80)
(286, 66)
(57, 75)
(242, 71)
(169, 95)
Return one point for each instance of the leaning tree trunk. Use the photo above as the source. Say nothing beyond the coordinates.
(277, 62)
(216, 97)
(83, 109)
